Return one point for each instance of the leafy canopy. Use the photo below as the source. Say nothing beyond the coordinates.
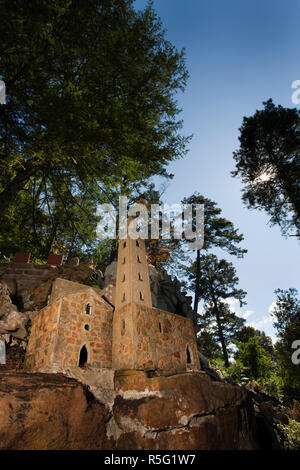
(269, 165)
(91, 113)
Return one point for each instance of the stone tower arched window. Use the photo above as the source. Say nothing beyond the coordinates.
(88, 309)
(83, 357)
(188, 355)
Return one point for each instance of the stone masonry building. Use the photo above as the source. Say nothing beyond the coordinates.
(145, 337)
(74, 329)
(80, 327)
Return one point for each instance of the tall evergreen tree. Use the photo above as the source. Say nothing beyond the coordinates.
(218, 283)
(255, 358)
(248, 332)
(268, 163)
(90, 97)
(218, 233)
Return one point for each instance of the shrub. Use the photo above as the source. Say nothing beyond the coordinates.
(291, 432)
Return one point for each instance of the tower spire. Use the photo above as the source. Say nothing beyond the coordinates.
(132, 283)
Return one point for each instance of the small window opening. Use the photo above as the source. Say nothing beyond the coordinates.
(188, 355)
(141, 296)
(137, 243)
(140, 277)
(88, 309)
(138, 259)
(124, 261)
(123, 278)
(123, 324)
(123, 298)
(124, 245)
(87, 327)
(83, 356)
(159, 327)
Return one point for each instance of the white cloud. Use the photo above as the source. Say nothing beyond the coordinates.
(247, 314)
(272, 306)
(258, 324)
(264, 324)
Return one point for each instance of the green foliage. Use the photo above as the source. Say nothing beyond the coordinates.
(291, 432)
(269, 165)
(37, 261)
(28, 327)
(248, 332)
(255, 364)
(92, 283)
(218, 280)
(286, 309)
(217, 283)
(286, 315)
(208, 344)
(218, 364)
(254, 357)
(272, 385)
(218, 231)
(82, 124)
(238, 373)
(294, 410)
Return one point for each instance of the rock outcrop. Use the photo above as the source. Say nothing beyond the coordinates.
(136, 410)
(48, 411)
(167, 293)
(11, 320)
(80, 273)
(186, 411)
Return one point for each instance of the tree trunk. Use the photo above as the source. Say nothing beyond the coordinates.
(198, 268)
(114, 253)
(196, 300)
(51, 238)
(10, 193)
(221, 336)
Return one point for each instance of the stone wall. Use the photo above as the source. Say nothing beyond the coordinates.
(149, 338)
(63, 288)
(62, 328)
(40, 347)
(27, 276)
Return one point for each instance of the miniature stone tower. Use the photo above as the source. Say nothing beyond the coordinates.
(132, 284)
(146, 338)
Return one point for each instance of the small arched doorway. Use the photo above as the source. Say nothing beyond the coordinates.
(189, 357)
(83, 356)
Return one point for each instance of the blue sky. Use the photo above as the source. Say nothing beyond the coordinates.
(239, 54)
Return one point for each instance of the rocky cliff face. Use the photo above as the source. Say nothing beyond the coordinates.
(184, 411)
(49, 411)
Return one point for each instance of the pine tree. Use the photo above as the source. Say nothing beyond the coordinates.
(218, 283)
(269, 165)
(218, 233)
